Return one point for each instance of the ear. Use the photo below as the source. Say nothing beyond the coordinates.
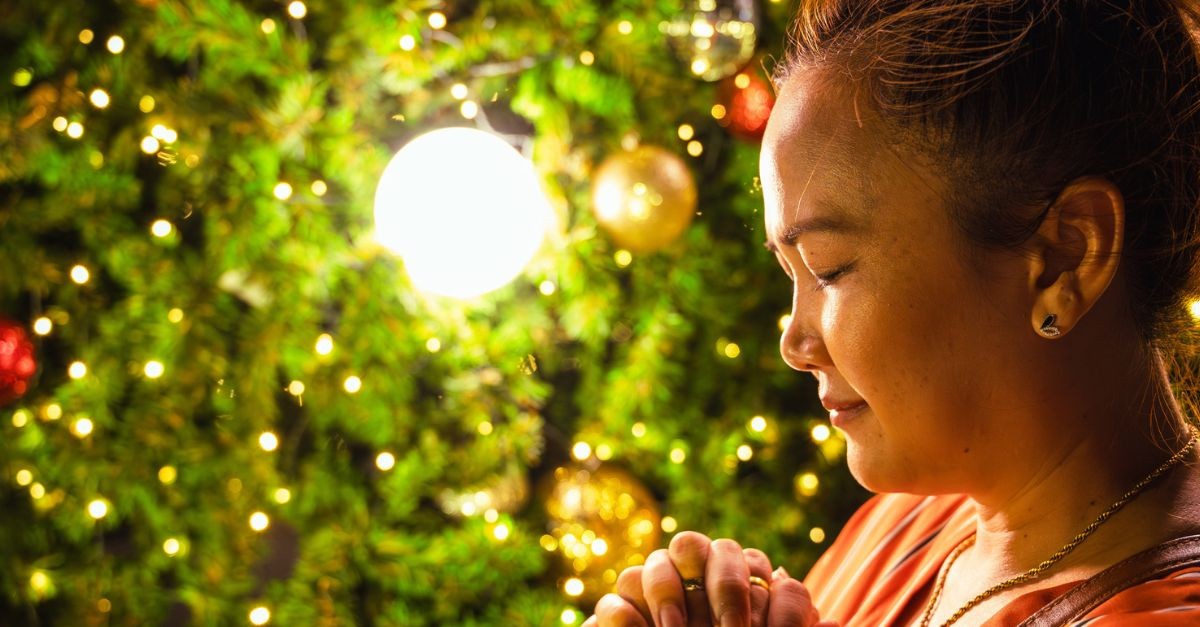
(1078, 252)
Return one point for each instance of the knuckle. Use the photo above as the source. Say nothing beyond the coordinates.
(688, 541)
(629, 577)
(726, 545)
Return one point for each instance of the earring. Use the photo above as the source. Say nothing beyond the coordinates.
(1048, 329)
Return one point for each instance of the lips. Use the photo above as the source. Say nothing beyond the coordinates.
(832, 404)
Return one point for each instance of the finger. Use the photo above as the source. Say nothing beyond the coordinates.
(760, 566)
(689, 552)
(629, 586)
(614, 611)
(791, 604)
(663, 590)
(592, 621)
(727, 582)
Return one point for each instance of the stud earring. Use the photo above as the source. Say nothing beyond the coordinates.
(1048, 329)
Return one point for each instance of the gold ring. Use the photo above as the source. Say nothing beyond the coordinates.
(693, 584)
(760, 582)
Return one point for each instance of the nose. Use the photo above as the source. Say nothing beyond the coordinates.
(801, 346)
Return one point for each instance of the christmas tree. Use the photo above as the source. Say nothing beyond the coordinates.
(225, 401)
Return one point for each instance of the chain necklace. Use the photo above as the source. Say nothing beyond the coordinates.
(1036, 571)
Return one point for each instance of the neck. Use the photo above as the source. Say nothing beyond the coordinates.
(1093, 459)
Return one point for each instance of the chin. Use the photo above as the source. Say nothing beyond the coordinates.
(877, 473)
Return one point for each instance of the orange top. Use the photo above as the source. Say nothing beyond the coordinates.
(887, 556)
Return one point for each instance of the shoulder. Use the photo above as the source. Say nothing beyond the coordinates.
(1171, 600)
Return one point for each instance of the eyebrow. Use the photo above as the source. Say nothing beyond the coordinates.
(836, 223)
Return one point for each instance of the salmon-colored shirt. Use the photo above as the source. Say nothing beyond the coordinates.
(887, 556)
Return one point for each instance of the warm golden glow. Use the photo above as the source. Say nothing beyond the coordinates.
(407, 43)
(99, 98)
(297, 9)
(283, 495)
(678, 455)
(745, 453)
(171, 547)
(259, 521)
(77, 370)
(324, 344)
(161, 228)
(150, 145)
(267, 26)
(295, 388)
(80, 274)
(154, 369)
(573, 587)
(820, 433)
(146, 104)
(319, 187)
(586, 57)
(86, 36)
(82, 428)
(260, 615)
(268, 441)
(485, 428)
(437, 20)
(167, 475)
(115, 44)
(97, 509)
(283, 191)
(638, 429)
(74, 130)
(581, 450)
(385, 461)
(352, 384)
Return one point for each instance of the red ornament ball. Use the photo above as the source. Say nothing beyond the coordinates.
(746, 101)
(17, 364)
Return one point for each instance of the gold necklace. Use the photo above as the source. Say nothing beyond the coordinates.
(1034, 572)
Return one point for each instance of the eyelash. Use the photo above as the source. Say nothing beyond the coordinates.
(825, 280)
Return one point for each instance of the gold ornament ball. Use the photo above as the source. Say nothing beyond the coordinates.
(644, 198)
(601, 522)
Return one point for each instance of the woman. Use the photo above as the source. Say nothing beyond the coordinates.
(989, 213)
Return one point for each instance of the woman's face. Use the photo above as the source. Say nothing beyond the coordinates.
(885, 308)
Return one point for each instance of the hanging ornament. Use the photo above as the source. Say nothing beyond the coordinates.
(715, 38)
(600, 522)
(644, 197)
(747, 99)
(17, 363)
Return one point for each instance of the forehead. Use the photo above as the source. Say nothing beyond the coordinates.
(821, 149)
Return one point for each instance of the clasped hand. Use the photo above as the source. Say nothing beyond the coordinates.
(654, 593)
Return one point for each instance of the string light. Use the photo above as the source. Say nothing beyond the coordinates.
(283, 495)
(742, 80)
(385, 461)
(267, 26)
(491, 515)
(686, 132)
(146, 104)
(171, 547)
(295, 388)
(283, 191)
(437, 20)
(260, 615)
(433, 345)
(297, 9)
(758, 424)
(167, 475)
(699, 66)
(86, 36)
(586, 57)
(352, 384)
(820, 433)
(74, 130)
(807, 483)
(60, 124)
(319, 187)
(154, 369)
(638, 429)
(175, 315)
(408, 42)
(115, 44)
(77, 370)
(164, 134)
(817, 535)
(259, 521)
(99, 98)
(695, 148)
(581, 450)
(37, 491)
(745, 453)
(718, 112)
(20, 418)
(160, 228)
(268, 441)
(500, 532)
(150, 145)
(324, 344)
(97, 509)
(82, 428)
(53, 411)
(24, 477)
(573, 587)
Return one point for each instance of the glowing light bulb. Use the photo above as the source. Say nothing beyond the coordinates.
(500, 532)
(80, 274)
(352, 384)
(167, 475)
(686, 132)
(24, 477)
(581, 450)
(817, 535)
(74, 130)
(283, 191)
(259, 521)
(97, 509)
(115, 44)
(695, 148)
(171, 547)
(154, 369)
(161, 228)
(385, 461)
(758, 424)
(463, 208)
(573, 587)
(99, 98)
(295, 388)
(60, 124)
(437, 20)
(297, 9)
(407, 43)
(82, 427)
(820, 433)
(268, 441)
(745, 453)
(469, 109)
(324, 344)
(78, 370)
(260, 615)
(669, 524)
(150, 145)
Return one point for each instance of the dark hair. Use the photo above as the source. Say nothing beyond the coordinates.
(1018, 98)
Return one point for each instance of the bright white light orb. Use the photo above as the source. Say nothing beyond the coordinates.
(463, 209)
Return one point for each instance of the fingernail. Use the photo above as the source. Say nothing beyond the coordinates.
(779, 573)
(670, 616)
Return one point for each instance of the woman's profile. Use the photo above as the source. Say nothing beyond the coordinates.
(990, 213)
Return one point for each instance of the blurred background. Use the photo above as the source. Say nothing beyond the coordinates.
(369, 312)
